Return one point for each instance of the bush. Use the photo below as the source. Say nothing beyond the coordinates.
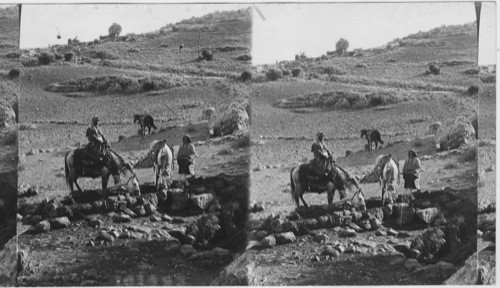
(114, 30)
(246, 75)
(149, 85)
(434, 69)
(473, 89)
(46, 58)
(68, 56)
(296, 72)
(361, 65)
(342, 46)
(207, 54)
(418, 142)
(333, 71)
(273, 74)
(244, 58)
(103, 55)
(14, 73)
(243, 142)
(470, 155)
(58, 56)
(471, 71)
(285, 72)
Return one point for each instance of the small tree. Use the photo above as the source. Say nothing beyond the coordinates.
(114, 30)
(342, 46)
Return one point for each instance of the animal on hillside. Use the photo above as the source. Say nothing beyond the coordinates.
(388, 172)
(180, 47)
(301, 176)
(162, 156)
(145, 121)
(372, 136)
(78, 165)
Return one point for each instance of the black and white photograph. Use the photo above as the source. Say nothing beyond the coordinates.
(247, 144)
(366, 142)
(9, 91)
(134, 145)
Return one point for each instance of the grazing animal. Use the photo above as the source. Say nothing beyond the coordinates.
(78, 165)
(145, 121)
(180, 47)
(388, 171)
(302, 180)
(371, 136)
(162, 156)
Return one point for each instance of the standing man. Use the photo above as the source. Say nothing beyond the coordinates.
(185, 156)
(411, 171)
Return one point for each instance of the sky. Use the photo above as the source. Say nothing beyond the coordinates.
(89, 21)
(315, 28)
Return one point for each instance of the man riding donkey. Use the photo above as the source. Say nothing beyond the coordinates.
(97, 148)
(323, 163)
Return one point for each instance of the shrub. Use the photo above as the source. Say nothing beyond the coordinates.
(361, 65)
(342, 46)
(273, 74)
(243, 142)
(296, 72)
(68, 56)
(434, 69)
(114, 30)
(13, 55)
(471, 71)
(244, 58)
(207, 54)
(473, 89)
(333, 71)
(46, 58)
(10, 138)
(103, 55)
(418, 142)
(391, 60)
(470, 155)
(134, 50)
(246, 75)
(285, 72)
(14, 73)
(58, 56)
(149, 85)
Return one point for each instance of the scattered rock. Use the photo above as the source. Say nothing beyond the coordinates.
(436, 272)
(59, 222)
(241, 272)
(454, 134)
(202, 201)
(365, 224)
(321, 238)
(95, 223)
(375, 223)
(268, 242)
(392, 232)
(121, 218)
(285, 238)
(179, 198)
(380, 233)
(355, 227)
(216, 257)
(328, 250)
(387, 210)
(427, 215)
(150, 209)
(104, 236)
(347, 232)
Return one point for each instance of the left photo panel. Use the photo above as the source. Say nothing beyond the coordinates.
(9, 91)
(133, 143)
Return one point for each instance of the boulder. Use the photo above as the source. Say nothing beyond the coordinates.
(202, 201)
(321, 238)
(162, 196)
(375, 223)
(411, 264)
(59, 222)
(139, 210)
(285, 238)
(11, 263)
(437, 272)
(42, 226)
(7, 115)
(455, 134)
(387, 210)
(365, 224)
(241, 272)
(268, 242)
(187, 250)
(234, 118)
(179, 198)
(330, 251)
(150, 209)
(430, 242)
(479, 269)
(376, 213)
(427, 215)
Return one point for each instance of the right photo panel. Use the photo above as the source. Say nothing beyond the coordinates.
(365, 144)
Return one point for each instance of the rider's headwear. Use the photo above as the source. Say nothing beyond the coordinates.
(94, 119)
(320, 134)
(412, 151)
(187, 138)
